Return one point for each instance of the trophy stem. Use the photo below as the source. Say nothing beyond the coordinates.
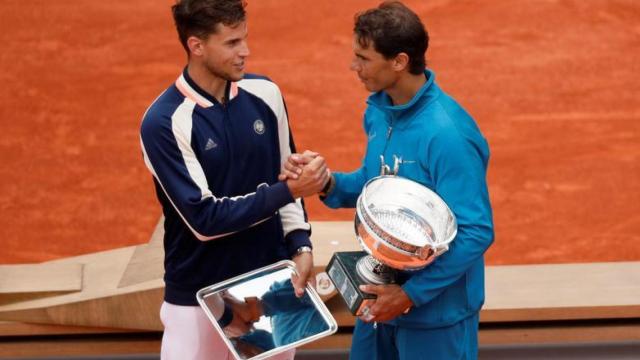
(375, 272)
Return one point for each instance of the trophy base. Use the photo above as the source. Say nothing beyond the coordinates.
(347, 278)
(342, 271)
(375, 272)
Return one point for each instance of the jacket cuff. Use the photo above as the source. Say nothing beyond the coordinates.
(296, 239)
(279, 194)
(227, 316)
(418, 295)
(331, 198)
(411, 294)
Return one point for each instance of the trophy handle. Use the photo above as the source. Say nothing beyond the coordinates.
(442, 250)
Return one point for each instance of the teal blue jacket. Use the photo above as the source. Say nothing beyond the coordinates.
(442, 148)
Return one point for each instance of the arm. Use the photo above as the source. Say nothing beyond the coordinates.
(458, 169)
(342, 189)
(294, 219)
(166, 145)
(332, 194)
(346, 189)
(293, 215)
(228, 317)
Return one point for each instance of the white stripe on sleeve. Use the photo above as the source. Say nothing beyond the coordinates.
(292, 214)
(181, 126)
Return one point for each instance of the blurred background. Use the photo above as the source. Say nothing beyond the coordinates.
(553, 84)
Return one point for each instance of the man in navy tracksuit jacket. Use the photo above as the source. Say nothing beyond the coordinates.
(215, 170)
(436, 143)
(214, 142)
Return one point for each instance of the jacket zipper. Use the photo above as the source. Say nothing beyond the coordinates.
(389, 133)
(227, 130)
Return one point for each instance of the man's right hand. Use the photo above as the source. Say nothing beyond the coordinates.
(311, 178)
(237, 327)
(292, 168)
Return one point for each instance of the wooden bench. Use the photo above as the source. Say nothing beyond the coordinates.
(116, 309)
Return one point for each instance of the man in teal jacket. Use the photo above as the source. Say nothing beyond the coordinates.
(412, 124)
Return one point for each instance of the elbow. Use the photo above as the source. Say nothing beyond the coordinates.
(200, 235)
(482, 235)
(202, 232)
(488, 236)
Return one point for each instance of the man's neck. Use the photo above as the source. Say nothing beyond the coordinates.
(406, 88)
(211, 84)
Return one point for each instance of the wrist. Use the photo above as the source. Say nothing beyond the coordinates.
(302, 250)
(296, 239)
(292, 190)
(255, 308)
(408, 296)
(227, 316)
(328, 187)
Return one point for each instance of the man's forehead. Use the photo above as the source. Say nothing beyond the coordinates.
(360, 43)
(363, 45)
(231, 30)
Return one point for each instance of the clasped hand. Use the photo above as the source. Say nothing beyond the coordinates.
(306, 174)
(245, 313)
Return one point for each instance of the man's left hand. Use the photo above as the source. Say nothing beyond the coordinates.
(392, 302)
(304, 266)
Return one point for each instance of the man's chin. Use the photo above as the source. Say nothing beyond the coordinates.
(367, 85)
(371, 88)
(237, 76)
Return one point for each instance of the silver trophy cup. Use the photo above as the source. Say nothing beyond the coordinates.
(401, 226)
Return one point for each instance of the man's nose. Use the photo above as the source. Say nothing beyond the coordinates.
(244, 50)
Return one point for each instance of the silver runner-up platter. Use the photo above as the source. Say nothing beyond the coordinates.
(401, 226)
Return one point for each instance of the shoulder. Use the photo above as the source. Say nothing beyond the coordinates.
(262, 88)
(258, 82)
(444, 115)
(450, 130)
(160, 113)
(251, 76)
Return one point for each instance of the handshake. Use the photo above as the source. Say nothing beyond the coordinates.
(306, 174)
(245, 314)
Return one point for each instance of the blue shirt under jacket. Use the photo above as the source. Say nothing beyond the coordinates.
(442, 148)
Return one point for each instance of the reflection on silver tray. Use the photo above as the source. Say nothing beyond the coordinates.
(279, 320)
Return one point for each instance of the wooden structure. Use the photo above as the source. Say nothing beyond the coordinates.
(108, 302)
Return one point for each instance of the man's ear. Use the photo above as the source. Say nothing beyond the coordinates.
(195, 45)
(400, 62)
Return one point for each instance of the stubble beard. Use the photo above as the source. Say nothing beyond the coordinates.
(224, 74)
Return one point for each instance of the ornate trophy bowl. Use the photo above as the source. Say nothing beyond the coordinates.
(401, 225)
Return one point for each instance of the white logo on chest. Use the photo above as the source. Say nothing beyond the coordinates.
(210, 145)
(258, 127)
(372, 135)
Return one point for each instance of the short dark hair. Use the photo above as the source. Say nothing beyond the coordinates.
(394, 28)
(200, 17)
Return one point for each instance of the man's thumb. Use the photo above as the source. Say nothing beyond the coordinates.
(370, 289)
(298, 285)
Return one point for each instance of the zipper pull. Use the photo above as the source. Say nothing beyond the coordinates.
(389, 130)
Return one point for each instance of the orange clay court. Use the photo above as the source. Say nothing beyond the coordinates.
(553, 85)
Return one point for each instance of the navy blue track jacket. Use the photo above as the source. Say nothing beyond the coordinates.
(215, 170)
